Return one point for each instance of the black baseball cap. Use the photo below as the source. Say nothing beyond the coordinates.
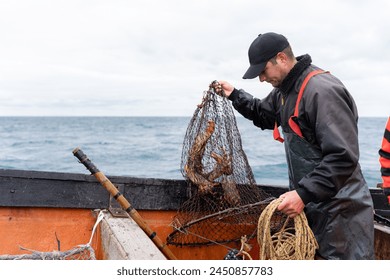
(262, 49)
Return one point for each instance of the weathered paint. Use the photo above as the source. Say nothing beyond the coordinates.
(382, 242)
(123, 239)
(36, 229)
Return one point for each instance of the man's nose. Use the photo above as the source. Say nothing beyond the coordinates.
(262, 77)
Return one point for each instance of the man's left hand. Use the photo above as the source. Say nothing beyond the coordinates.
(292, 204)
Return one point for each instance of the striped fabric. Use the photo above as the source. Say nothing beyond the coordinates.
(384, 159)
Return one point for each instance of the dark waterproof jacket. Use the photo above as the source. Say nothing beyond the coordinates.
(323, 166)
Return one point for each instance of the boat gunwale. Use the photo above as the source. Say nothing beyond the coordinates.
(20, 188)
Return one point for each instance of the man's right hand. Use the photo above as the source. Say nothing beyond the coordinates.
(227, 88)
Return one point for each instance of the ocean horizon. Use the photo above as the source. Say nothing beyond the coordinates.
(149, 147)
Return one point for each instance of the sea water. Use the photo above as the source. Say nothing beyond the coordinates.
(149, 147)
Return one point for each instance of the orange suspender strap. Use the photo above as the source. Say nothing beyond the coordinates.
(291, 122)
(293, 125)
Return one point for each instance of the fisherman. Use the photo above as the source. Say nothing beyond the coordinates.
(384, 159)
(321, 143)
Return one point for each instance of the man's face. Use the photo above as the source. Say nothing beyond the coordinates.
(274, 72)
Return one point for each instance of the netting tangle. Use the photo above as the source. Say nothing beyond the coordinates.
(81, 252)
(224, 202)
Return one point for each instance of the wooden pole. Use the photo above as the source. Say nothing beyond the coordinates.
(123, 202)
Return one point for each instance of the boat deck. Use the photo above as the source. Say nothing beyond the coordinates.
(48, 211)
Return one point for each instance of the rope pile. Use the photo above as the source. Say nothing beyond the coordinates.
(291, 242)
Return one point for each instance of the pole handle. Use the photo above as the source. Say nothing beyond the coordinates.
(79, 154)
(112, 189)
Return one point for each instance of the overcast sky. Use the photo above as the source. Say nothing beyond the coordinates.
(156, 57)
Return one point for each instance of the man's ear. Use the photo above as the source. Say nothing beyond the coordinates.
(281, 58)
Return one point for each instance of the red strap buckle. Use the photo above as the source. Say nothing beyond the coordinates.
(276, 133)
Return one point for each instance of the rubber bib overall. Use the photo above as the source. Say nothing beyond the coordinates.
(343, 225)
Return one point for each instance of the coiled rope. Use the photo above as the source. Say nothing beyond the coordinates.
(291, 242)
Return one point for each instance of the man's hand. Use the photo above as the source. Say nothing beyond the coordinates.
(292, 204)
(227, 88)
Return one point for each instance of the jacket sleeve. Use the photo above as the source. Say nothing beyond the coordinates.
(262, 112)
(332, 114)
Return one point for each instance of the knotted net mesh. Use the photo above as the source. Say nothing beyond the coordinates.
(225, 202)
(82, 252)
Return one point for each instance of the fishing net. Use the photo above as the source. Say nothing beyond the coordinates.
(224, 201)
(82, 252)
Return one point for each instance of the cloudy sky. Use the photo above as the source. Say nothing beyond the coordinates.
(153, 57)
